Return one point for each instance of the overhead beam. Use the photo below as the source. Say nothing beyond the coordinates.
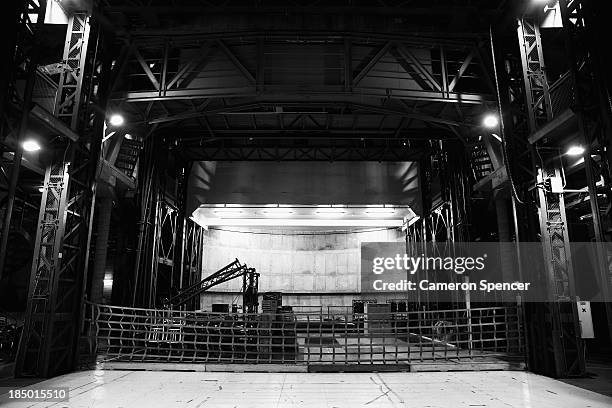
(305, 95)
(371, 63)
(237, 63)
(53, 123)
(145, 67)
(417, 66)
(190, 70)
(367, 108)
(328, 153)
(462, 69)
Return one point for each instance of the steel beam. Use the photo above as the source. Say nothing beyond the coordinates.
(564, 342)
(49, 341)
(593, 124)
(32, 66)
(329, 153)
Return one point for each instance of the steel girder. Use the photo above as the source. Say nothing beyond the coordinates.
(165, 238)
(387, 152)
(592, 107)
(192, 257)
(50, 337)
(25, 49)
(561, 339)
(330, 84)
(176, 68)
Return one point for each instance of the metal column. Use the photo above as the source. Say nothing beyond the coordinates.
(59, 270)
(564, 345)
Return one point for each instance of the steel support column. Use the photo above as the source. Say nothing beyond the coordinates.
(59, 270)
(593, 123)
(564, 345)
(32, 65)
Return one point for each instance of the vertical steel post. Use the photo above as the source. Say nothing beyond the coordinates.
(49, 341)
(23, 126)
(564, 342)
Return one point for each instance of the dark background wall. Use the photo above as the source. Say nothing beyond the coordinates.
(304, 183)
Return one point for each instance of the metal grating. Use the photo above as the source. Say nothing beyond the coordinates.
(335, 337)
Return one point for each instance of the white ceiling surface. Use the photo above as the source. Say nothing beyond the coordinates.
(341, 216)
(304, 186)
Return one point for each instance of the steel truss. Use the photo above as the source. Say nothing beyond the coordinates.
(59, 271)
(563, 346)
(192, 257)
(173, 68)
(165, 238)
(594, 125)
(226, 93)
(24, 52)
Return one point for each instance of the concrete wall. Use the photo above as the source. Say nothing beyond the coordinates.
(309, 267)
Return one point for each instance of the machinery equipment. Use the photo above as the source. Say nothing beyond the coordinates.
(250, 281)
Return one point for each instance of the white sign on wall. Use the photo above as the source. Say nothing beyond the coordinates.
(586, 320)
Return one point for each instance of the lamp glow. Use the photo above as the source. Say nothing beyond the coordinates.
(278, 212)
(329, 211)
(116, 120)
(31, 146)
(575, 151)
(380, 211)
(490, 121)
(228, 213)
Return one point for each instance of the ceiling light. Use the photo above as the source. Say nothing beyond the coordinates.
(116, 120)
(228, 212)
(330, 211)
(575, 151)
(128, 136)
(278, 212)
(490, 121)
(300, 222)
(381, 211)
(31, 145)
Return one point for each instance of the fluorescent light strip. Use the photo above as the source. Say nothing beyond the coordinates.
(296, 222)
(281, 212)
(228, 213)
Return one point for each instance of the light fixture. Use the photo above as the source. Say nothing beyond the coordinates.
(380, 211)
(491, 121)
(31, 145)
(300, 222)
(277, 212)
(228, 212)
(41, 189)
(325, 211)
(116, 120)
(128, 136)
(575, 151)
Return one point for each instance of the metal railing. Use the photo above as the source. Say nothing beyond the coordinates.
(150, 335)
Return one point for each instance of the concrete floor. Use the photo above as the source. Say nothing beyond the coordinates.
(128, 389)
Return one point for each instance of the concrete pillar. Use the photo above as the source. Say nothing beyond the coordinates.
(105, 208)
